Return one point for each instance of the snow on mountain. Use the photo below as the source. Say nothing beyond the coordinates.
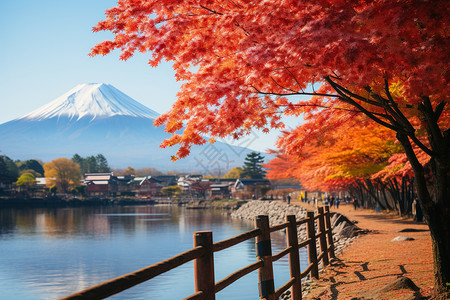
(98, 118)
(92, 100)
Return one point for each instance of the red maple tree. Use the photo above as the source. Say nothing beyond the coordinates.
(244, 63)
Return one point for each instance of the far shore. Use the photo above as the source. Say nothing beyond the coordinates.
(23, 202)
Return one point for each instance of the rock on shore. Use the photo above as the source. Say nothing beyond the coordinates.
(274, 209)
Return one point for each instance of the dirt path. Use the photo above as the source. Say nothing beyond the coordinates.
(373, 261)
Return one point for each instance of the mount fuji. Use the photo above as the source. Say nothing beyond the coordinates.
(98, 118)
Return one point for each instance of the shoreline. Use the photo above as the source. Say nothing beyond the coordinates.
(17, 202)
(344, 230)
(59, 202)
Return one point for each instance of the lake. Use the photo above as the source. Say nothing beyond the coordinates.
(47, 253)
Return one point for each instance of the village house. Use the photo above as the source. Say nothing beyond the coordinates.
(167, 180)
(250, 188)
(220, 190)
(123, 186)
(101, 184)
(146, 186)
(40, 186)
(186, 182)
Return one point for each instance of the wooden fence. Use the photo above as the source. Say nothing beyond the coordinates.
(318, 230)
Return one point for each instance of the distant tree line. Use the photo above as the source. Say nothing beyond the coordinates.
(64, 175)
(92, 164)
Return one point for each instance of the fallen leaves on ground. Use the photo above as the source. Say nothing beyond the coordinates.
(373, 261)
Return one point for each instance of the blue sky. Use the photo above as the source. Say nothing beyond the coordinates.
(44, 48)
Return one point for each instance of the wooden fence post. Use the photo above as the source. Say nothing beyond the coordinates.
(294, 258)
(330, 232)
(323, 237)
(312, 250)
(204, 265)
(264, 253)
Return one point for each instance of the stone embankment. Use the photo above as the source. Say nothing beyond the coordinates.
(344, 231)
(276, 211)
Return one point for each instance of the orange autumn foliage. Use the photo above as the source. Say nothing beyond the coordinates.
(336, 156)
(245, 63)
(234, 56)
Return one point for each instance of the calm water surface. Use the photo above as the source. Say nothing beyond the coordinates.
(47, 253)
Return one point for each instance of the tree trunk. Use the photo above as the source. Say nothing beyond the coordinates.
(436, 210)
(372, 191)
(439, 225)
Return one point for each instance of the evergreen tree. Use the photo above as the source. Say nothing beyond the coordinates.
(92, 164)
(80, 161)
(102, 164)
(252, 168)
(31, 164)
(8, 170)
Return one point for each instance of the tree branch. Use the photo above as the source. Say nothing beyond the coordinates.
(294, 94)
(211, 10)
(439, 109)
(284, 88)
(326, 107)
(345, 91)
(295, 78)
(235, 4)
(395, 106)
(343, 97)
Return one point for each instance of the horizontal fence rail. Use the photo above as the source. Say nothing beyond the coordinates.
(319, 233)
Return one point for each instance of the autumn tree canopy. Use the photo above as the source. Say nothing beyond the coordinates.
(361, 158)
(235, 55)
(244, 63)
(234, 173)
(62, 173)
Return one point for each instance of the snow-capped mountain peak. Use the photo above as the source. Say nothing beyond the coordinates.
(92, 100)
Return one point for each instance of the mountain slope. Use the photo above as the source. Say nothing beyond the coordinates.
(92, 100)
(98, 118)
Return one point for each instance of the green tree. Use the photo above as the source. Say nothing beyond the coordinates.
(31, 164)
(35, 174)
(102, 164)
(8, 170)
(92, 164)
(26, 179)
(234, 173)
(80, 161)
(253, 168)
